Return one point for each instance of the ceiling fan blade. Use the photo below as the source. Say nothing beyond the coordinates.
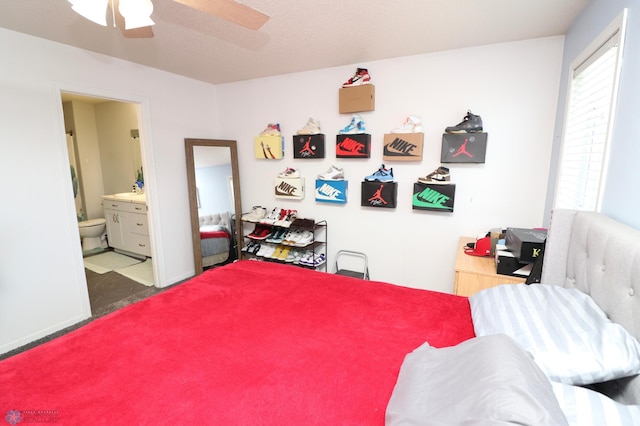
(142, 32)
(230, 10)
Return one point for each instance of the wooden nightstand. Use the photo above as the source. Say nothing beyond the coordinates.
(474, 273)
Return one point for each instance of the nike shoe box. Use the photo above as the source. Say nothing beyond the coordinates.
(403, 146)
(433, 197)
(331, 191)
(379, 194)
(268, 147)
(357, 99)
(463, 148)
(507, 264)
(525, 244)
(308, 146)
(290, 188)
(353, 146)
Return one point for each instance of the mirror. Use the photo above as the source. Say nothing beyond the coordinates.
(214, 200)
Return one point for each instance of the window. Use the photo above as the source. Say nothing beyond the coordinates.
(588, 121)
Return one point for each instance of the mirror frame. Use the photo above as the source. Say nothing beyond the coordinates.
(189, 144)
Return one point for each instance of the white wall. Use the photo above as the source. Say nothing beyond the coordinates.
(513, 86)
(42, 283)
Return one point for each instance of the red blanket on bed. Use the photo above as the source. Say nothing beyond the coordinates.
(250, 343)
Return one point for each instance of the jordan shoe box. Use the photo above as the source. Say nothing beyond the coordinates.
(353, 146)
(433, 197)
(403, 146)
(268, 147)
(331, 191)
(291, 188)
(308, 146)
(525, 244)
(357, 99)
(379, 194)
(463, 148)
(507, 264)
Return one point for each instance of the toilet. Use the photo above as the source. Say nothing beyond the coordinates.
(93, 234)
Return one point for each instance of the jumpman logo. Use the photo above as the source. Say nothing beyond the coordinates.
(377, 196)
(307, 148)
(463, 149)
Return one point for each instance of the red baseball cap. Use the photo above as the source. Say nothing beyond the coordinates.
(481, 248)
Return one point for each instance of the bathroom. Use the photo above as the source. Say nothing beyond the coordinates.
(105, 156)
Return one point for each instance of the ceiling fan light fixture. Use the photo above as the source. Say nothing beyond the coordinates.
(136, 13)
(93, 10)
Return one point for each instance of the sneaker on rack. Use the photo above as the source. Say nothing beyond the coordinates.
(307, 258)
(440, 176)
(305, 238)
(319, 260)
(311, 128)
(356, 126)
(382, 175)
(271, 130)
(289, 173)
(289, 218)
(334, 173)
(256, 213)
(471, 123)
(412, 124)
(271, 217)
(360, 77)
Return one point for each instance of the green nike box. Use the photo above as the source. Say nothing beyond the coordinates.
(379, 194)
(463, 148)
(403, 146)
(433, 197)
(308, 146)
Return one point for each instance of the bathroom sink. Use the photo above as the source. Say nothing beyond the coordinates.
(127, 196)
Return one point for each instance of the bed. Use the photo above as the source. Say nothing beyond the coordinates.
(216, 238)
(260, 343)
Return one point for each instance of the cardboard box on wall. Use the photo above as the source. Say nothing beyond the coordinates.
(525, 244)
(331, 191)
(433, 197)
(403, 146)
(291, 188)
(463, 148)
(353, 146)
(379, 194)
(357, 98)
(268, 147)
(308, 146)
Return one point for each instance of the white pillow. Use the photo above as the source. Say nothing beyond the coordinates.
(569, 336)
(583, 407)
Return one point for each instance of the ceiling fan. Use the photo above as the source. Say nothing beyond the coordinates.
(133, 17)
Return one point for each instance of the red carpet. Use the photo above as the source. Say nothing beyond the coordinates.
(250, 343)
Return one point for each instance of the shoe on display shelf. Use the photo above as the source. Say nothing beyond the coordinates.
(334, 173)
(289, 173)
(288, 219)
(412, 124)
(304, 239)
(471, 123)
(260, 232)
(382, 175)
(271, 217)
(356, 126)
(311, 128)
(271, 130)
(440, 176)
(256, 213)
(360, 77)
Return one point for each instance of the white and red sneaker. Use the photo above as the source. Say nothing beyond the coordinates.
(359, 78)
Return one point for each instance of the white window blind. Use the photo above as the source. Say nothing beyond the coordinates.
(584, 155)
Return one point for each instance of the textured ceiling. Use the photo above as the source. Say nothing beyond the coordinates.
(301, 35)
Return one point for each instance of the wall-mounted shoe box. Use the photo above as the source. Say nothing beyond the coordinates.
(463, 148)
(353, 146)
(291, 188)
(403, 146)
(357, 98)
(379, 194)
(433, 197)
(332, 191)
(268, 147)
(308, 146)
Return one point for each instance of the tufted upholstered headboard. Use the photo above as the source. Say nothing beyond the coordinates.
(601, 257)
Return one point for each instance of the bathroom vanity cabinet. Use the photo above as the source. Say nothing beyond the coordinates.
(127, 228)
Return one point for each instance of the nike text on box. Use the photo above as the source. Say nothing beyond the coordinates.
(433, 197)
(379, 194)
(331, 191)
(292, 189)
(268, 147)
(353, 146)
(308, 146)
(357, 98)
(463, 147)
(403, 146)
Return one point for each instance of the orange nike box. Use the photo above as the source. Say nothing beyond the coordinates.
(353, 146)
(357, 99)
(379, 194)
(268, 147)
(291, 188)
(403, 146)
(308, 146)
(463, 147)
(433, 197)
